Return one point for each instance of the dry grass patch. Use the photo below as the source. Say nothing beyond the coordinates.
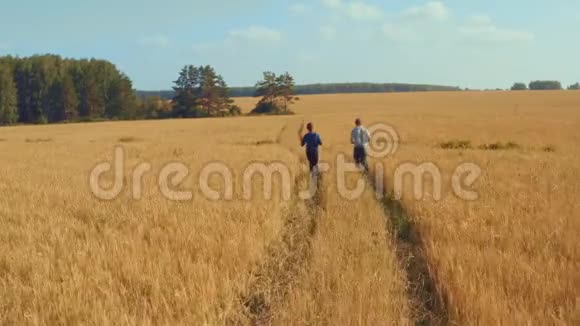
(71, 258)
(511, 257)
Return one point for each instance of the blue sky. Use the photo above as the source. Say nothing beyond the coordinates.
(475, 43)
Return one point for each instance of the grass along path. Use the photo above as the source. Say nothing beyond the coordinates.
(429, 301)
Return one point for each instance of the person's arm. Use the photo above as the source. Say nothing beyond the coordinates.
(352, 136)
(368, 134)
(319, 140)
(303, 141)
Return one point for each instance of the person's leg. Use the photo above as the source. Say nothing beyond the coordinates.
(315, 160)
(309, 157)
(359, 156)
(312, 155)
(356, 156)
(364, 159)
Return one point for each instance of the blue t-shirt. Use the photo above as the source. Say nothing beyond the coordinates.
(311, 140)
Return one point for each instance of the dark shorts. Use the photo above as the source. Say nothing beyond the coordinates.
(360, 155)
(312, 156)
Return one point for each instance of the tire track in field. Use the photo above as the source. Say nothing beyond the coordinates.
(287, 257)
(280, 135)
(429, 302)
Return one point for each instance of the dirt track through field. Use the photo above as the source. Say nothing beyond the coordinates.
(288, 256)
(428, 301)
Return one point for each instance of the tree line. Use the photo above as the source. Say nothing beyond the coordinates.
(330, 88)
(48, 88)
(543, 85)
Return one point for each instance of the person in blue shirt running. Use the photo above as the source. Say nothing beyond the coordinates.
(312, 141)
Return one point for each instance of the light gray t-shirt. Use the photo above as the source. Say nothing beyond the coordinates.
(360, 136)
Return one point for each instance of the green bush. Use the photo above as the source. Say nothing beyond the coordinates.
(456, 144)
(42, 120)
(499, 146)
(270, 109)
(235, 110)
(549, 148)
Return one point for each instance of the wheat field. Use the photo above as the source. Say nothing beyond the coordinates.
(511, 257)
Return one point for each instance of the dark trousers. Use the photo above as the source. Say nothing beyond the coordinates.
(360, 157)
(312, 156)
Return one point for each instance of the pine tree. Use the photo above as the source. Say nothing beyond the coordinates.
(186, 88)
(209, 94)
(225, 105)
(277, 93)
(267, 88)
(285, 84)
(200, 91)
(8, 97)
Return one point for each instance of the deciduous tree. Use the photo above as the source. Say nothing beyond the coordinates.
(8, 97)
(519, 87)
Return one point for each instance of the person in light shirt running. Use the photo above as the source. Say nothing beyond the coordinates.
(360, 138)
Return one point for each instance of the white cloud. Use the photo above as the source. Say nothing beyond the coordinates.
(363, 11)
(479, 20)
(493, 34)
(156, 41)
(399, 33)
(208, 47)
(328, 32)
(255, 34)
(357, 10)
(305, 58)
(481, 29)
(430, 23)
(419, 24)
(299, 8)
(434, 10)
(240, 39)
(333, 4)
